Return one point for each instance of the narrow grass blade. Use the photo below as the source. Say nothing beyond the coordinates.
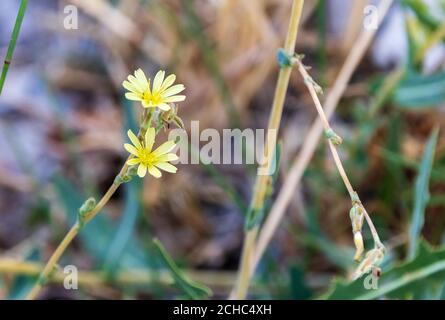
(421, 195)
(12, 42)
(191, 288)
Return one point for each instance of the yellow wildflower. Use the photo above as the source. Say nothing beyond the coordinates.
(160, 95)
(148, 159)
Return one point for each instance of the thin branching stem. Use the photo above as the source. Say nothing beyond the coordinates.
(310, 84)
(313, 92)
(299, 165)
(72, 233)
(13, 42)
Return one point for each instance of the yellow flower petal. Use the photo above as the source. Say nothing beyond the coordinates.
(129, 86)
(150, 138)
(164, 107)
(142, 170)
(167, 157)
(133, 96)
(133, 161)
(157, 82)
(154, 172)
(174, 99)
(135, 82)
(168, 81)
(140, 76)
(164, 148)
(134, 139)
(167, 167)
(173, 90)
(131, 149)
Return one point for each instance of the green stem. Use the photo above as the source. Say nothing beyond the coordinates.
(12, 42)
(69, 237)
(75, 229)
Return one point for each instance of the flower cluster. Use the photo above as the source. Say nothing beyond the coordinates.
(159, 110)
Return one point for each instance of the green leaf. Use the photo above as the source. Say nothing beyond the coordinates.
(417, 38)
(339, 256)
(410, 279)
(422, 195)
(418, 91)
(13, 42)
(298, 286)
(422, 12)
(192, 289)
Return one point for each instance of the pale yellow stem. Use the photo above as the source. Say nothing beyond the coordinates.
(51, 264)
(310, 85)
(72, 233)
(223, 280)
(296, 172)
(257, 203)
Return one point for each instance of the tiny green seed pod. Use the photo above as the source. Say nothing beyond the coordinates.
(85, 209)
(333, 137)
(87, 206)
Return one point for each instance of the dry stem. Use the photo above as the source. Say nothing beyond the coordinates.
(257, 203)
(308, 148)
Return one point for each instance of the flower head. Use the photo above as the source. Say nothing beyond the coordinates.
(160, 95)
(147, 159)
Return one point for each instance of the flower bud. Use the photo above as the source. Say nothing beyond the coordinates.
(358, 241)
(85, 209)
(333, 137)
(170, 116)
(87, 206)
(357, 219)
